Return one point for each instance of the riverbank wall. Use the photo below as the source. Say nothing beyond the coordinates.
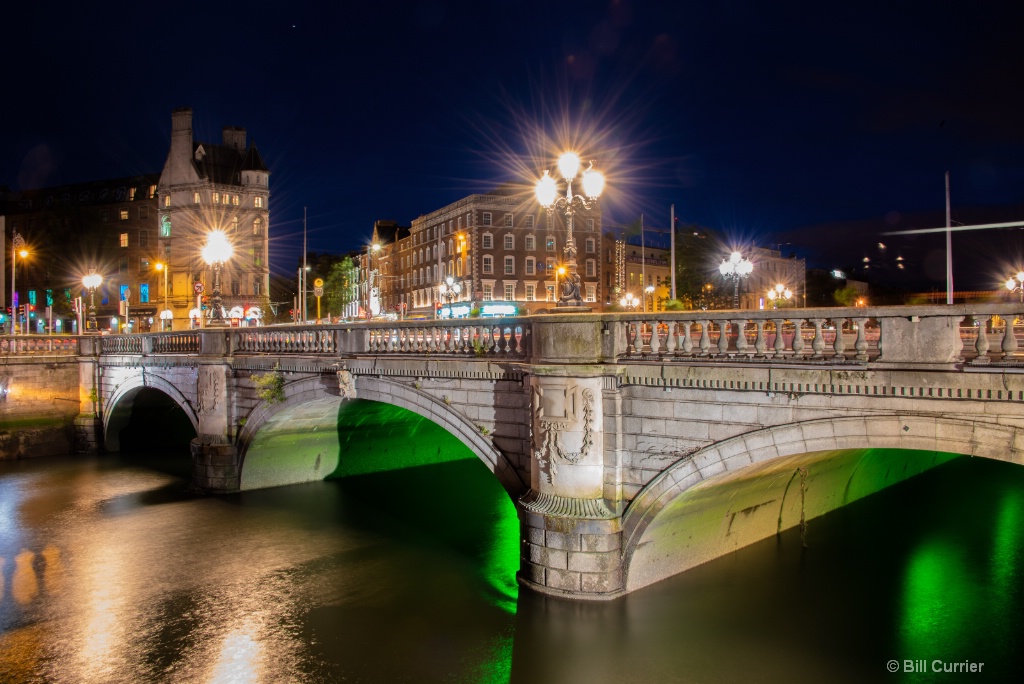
(39, 401)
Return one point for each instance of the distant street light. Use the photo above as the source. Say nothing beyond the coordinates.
(1016, 284)
(779, 295)
(547, 195)
(91, 282)
(215, 253)
(17, 249)
(166, 315)
(629, 302)
(650, 295)
(736, 267)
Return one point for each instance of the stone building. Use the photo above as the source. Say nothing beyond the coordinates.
(206, 187)
(501, 248)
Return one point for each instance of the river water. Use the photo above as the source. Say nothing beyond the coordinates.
(111, 570)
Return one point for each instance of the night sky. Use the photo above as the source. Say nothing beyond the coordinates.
(773, 122)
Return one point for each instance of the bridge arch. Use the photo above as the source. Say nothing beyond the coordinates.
(118, 405)
(786, 449)
(318, 395)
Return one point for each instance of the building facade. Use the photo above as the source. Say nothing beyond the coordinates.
(206, 187)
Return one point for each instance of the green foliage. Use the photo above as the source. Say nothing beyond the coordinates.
(845, 296)
(340, 287)
(699, 285)
(674, 305)
(269, 385)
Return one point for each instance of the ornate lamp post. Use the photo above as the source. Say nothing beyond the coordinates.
(779, 295)
(649, 290)
(547, 195)
(450, 290)
(17, 249)
(736, 267)
(629, 302)
(166, 315)
(215, 253)
(1014, 284)
(91, 282)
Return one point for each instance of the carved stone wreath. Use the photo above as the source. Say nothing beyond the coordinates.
(551, 443)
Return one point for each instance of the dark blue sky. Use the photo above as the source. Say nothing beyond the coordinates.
(756, 118)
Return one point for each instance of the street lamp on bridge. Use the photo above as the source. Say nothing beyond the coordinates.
(215, 253)
(736, 267)
(547, 195)
(91, 282)
(17, 249)
(779, 294)
(1016, 284)
(629, 301)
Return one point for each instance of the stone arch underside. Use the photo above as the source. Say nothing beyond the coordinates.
(747, 488)
(118, 406)
(310, 410)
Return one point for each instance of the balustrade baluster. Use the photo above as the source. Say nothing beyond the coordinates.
(779, 345)
(687, 339)
(656, 347)
(760, 343)
(818, 343)
(861, 345)
(723, 337)
(741, 336)
(839, 346)
(981, 345)
(705, 338)
(1009, 345)
(798, 337)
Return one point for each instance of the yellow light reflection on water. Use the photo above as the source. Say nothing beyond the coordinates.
(241, 657)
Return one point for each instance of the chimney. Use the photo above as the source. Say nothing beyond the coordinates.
(234, 137)
(181, 133)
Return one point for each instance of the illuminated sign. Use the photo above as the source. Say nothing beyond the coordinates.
(454, 311)
(498, 310)
(838, 274)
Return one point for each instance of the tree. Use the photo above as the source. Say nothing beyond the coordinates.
(698, 282)
(340, 286)
(846, 296)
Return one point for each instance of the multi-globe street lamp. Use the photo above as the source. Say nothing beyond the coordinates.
(1016, 284)
(569, 204)
(91, 282)
(17, 249)
(215, 253)
(449, 289)
(779, 295)
(629, 301)
(736, 267)
(649, 291)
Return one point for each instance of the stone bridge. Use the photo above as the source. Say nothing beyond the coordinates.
(633, 445)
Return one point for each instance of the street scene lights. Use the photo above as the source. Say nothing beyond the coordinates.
(166, 315)
(449, 289)
(215, 253)
(91, 282)
(17, 249)
(736, 267)
(547, 195)
(649, 290)
(629, 302)
(372, 293)
(1016, 284)
(779, 294)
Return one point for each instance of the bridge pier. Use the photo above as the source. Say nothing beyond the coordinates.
(572, 532)
(215, 459)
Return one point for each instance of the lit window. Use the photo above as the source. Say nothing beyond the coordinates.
(216, 198)
(124, 239)
(167, 200)
(531, 292)
(486, 241)
(510, 265)
(508, 220)
(143, 264)
(510, 292)
(165, 226)
(509, 242)
(152, 191)
(487, 218)
(488, 264)
(488, 292)
(257, 227)
(591, 292)
(234, 200)
(195, 198)
(529, 221)
(257, 202)
(131, 194)
(143, 293)
(550, 244)
(531, 243)
(123, 214)
(257, 285)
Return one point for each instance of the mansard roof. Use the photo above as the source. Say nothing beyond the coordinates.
(222, 164)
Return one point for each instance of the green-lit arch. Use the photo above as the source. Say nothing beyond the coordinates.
(749, 487)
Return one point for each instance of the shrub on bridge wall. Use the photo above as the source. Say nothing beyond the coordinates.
(269, 385)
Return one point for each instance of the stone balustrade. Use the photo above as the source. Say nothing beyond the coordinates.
(18, 345)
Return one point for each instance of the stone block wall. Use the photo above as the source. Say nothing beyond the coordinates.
(39, 400)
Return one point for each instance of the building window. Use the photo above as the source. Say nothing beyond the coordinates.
(488, 264)
(195, 198)
(234, 200)
(122, 265)
(591, 268)
(143, 238)
(143, 212)
(591, 292)
(152, 191)
(551, 264)
(257, 227)
(488, 292)
(124, 239)
(550, 243)
(143, 293)
(531, 292)
(216, 198)
(104, 216)
(531, 243)
(257, 285)
(257, 202)
(529, 221)
(530, 262)
(510, 265)
(508, 220)
(167, 200)
(143, 264)
(510, 242)
(131, 194)
(236, 287)
(591, 245)
(487, 218)
(590, 224)
(551, 293)
(165, 226)
(487, 241)
(510, 292)
(551, 221)
(123, 214)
